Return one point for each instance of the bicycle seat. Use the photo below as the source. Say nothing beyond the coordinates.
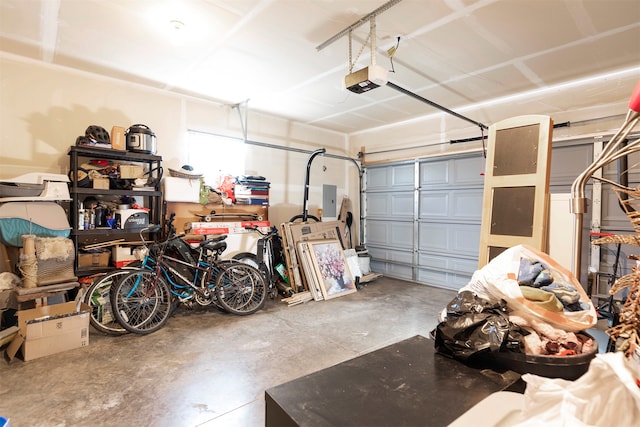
(219, 238)
(214, 246)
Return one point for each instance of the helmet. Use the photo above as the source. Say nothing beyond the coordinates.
(98, 134)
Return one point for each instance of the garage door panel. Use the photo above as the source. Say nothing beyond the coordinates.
(447, 280)
(401, 204)
(460, 205)
(440, 245)
(611, 210)
(434, 173)
(390, 233)
(455, 239)
(403, 176)
(467, 204)
(377, 204)
(376, 232)
(449, 271)
(465, 240)
(400, 256)
(452, 172)
(390, 177)
(433, 237)
(468, 171)
(433, 262)
(426, 275)
(434, 205)
(392, 270)
(451, 263)
(378, 178)
(567, 162)
(397, 204)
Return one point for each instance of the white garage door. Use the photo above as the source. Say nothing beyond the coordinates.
(422, 217)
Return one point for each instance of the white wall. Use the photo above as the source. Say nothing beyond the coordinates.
(44, 108)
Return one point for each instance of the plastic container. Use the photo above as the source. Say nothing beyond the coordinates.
(4, 422)
(566, 367)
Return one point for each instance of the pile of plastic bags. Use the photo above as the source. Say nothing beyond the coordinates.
(521, 301)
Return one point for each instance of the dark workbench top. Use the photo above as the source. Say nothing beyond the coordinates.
(403, 384)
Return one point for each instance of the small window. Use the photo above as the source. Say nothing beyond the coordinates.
(215, 155)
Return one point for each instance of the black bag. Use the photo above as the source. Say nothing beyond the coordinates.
(473, 325)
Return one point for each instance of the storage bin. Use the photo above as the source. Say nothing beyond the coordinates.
(94, 259)
(566, 367)
(181, 189)
(131, 171)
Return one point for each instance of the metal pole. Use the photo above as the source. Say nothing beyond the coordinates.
(612, 151)
(305, 210)
(433, 104)
(356, 24)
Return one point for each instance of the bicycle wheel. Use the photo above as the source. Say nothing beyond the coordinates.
(141, 302)
(240, 288)
(98, 298)
(247, 258)
(252, 260)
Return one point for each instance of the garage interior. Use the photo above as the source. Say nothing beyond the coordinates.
(367, 125)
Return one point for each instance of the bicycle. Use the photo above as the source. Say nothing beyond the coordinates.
(97, 295)
(269, 259)
(98, 298)
(142, 300)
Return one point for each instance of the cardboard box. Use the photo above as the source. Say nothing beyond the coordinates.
(94, 259)
(51, 329)
(181, 189)
(101, 183)
(117, 138)
(188, 212)
(214, 227)
(122, 255)
(131, 171)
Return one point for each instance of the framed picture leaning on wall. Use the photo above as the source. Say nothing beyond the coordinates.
(331, 268)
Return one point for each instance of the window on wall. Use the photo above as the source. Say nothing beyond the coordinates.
(215, 155)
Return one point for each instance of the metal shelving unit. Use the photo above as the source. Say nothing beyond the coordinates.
(152, 198)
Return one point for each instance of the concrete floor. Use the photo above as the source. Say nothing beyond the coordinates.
(207, 368)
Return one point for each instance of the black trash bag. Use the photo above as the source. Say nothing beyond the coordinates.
(474, 325)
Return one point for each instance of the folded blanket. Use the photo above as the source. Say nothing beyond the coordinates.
(542, 298)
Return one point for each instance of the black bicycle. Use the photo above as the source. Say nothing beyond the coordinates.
(269, 259)
(143, 300)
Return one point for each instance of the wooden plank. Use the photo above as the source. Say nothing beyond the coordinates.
(292, 261)
(312, 279)
(49, 288)
(369, 277)
(105, 244)
(298, 298)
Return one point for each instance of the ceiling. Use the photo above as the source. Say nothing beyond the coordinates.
(460, 54)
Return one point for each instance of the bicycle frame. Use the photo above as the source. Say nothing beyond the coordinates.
(208, 270)
(142, 301)
(182, 287)
(267, 260)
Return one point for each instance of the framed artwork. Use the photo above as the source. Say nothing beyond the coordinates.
(313, 285)
(331, 268)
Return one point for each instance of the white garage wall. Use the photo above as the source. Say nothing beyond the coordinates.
(44, 108)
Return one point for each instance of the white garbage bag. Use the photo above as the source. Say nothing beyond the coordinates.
(606, 395)
(499, 280)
